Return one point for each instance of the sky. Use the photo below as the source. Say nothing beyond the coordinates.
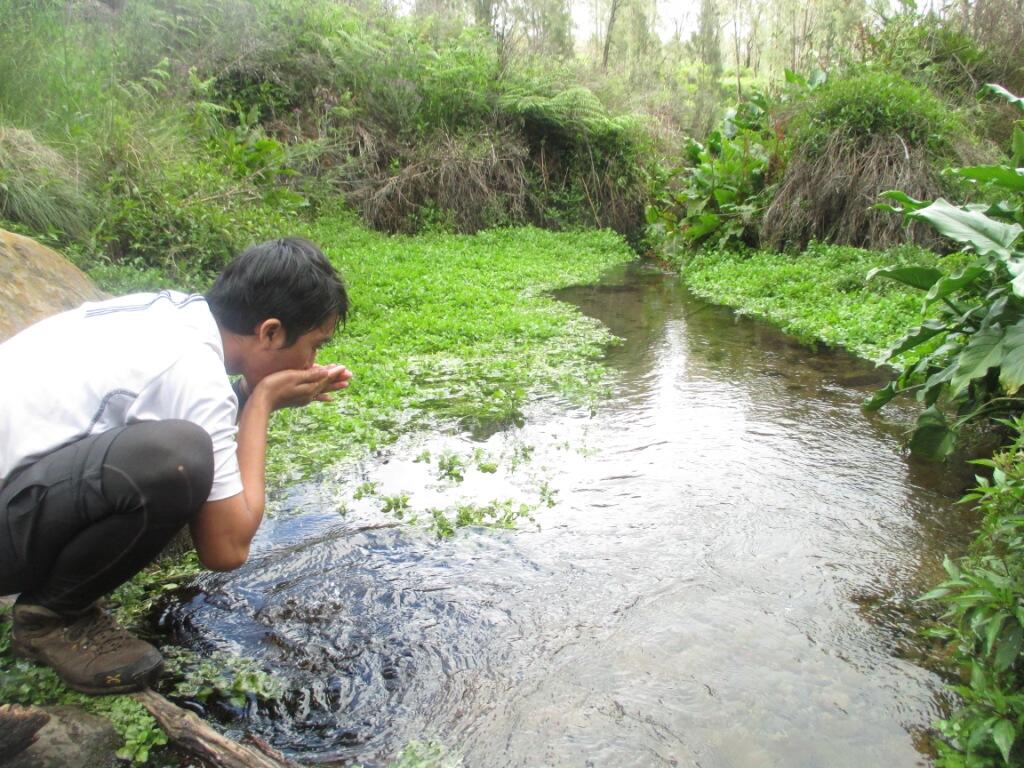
(670, 14)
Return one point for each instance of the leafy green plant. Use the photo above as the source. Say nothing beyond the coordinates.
(136, 726)
(367, 489)
(547, 494)
(397, 505)
(220, 675)
(717, 197)
(134, 600)
(978, 312)
(450, 466)
(984, 624)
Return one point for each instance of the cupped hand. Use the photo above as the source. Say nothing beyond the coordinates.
(298, 387)
(338, 377)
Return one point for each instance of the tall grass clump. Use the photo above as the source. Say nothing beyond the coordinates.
(855, 138)
(39, 188)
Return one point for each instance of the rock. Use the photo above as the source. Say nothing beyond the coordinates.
(71, 739)
(18, 728)
(36, 282)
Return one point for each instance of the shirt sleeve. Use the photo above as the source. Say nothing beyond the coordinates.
(196, 388)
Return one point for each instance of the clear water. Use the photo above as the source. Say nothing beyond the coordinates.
(723, 578)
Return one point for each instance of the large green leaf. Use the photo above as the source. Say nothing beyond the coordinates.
(918, 277)
(1004, 734)
(1000, 91)
(932, 436)
(906, 200)
(1011, 374)
(881, 397)
(1000, 175)
(947, 286)
(702, 225)
(973, 228)
(983, 351)
(1017, 145)
(793, 78)
(927, 330)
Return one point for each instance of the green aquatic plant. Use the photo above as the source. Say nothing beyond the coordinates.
(397, 505)
(219, 675)
(450, 466)
(449, 329)
(367, 489)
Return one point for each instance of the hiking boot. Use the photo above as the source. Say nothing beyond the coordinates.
(90, 652)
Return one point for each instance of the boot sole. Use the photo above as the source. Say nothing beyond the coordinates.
(19, 651)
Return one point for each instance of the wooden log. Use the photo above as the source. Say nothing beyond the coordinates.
(18, 728)
(188, 732)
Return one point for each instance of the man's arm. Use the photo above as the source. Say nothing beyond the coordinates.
(224, 529)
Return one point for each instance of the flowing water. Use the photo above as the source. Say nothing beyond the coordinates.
(717, 572)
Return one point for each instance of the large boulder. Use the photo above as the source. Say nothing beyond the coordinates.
(35, 282)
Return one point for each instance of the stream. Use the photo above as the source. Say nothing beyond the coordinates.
(718, 570)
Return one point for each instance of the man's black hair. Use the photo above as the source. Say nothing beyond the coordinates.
(289, 279)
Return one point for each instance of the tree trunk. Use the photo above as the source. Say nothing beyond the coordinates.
(608, 32)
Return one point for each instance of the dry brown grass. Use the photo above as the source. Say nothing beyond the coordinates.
(39, 188)
(471, 182)
(829, 195)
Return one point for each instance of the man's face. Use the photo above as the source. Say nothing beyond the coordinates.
(269, 354)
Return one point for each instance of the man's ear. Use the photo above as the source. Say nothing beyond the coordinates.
(270, 334)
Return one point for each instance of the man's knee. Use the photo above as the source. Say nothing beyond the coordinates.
(189, 449)
(167, 462)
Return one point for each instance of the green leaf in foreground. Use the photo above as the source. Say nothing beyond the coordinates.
(933, 437)
(1011, 374)
(1004, 734)
(984, 235)
(983, 351)
(1000, 91)
(916, 277)
(1001, 176)
(929, 329)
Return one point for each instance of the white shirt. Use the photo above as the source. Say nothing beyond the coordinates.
(144, 357)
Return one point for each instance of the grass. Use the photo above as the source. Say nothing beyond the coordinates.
(818, 296)
(454, 329)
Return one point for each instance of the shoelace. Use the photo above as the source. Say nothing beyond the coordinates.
(97, 631)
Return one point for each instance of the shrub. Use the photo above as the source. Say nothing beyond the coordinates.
(854, 139)
(718, 197)
(469, 182)
(934, 53)
(984, 625)
(977, 313)
(873, 103)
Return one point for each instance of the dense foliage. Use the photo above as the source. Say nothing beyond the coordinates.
(978, 311)
(170, 135)
(984, 622)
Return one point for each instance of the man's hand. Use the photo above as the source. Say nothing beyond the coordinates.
(338, 377)
(296, 388)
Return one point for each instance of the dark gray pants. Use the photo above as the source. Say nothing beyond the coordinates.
(84, 519)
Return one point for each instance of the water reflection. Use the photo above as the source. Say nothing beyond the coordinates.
(721, 579)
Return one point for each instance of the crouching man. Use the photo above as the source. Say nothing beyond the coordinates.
(119, 426)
